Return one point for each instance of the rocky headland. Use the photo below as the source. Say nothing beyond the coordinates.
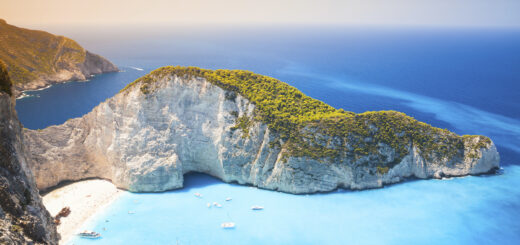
(23, 218)
(246, 128)
(37, 59)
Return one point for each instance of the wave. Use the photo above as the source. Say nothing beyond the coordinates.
(46, 87)
(24, 95)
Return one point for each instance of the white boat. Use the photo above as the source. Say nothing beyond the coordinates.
(228, 225)
(89, 234)
(208, 204)
(131, 212)
(198, 194)
(216, 204)
(229, 199)
(257, 207)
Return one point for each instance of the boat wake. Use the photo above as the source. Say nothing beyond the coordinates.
(136, 68)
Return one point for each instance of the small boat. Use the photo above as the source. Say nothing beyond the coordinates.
(208, 204)
(89, 234)
(131, 212)
(216, 204)
(257, 207)
(198, 194)
(229, 199)
(228, 225)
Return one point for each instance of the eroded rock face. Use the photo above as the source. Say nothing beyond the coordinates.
(23, 218)
(145, 141)
(93, 64)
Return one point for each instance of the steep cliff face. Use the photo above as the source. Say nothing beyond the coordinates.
(23, 218)
(147, 137)
(36, 59)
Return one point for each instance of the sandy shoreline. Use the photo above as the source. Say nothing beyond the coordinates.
(85, 199)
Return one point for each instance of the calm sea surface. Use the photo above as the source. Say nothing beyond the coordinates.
(467, 81)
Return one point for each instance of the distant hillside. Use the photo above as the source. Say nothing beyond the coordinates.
(36, 59)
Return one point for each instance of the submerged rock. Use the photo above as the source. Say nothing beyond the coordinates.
(246, 128)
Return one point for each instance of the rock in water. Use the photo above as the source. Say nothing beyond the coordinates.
(244, 127)
(23, 218)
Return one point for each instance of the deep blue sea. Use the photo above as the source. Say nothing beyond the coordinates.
(465, 80)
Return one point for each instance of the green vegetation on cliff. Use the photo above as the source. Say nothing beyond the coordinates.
(5, 81)
(30, 54)
(307, 127)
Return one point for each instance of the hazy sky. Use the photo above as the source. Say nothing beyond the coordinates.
(488, 13)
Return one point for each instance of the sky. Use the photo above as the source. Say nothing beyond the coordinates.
(451, 13)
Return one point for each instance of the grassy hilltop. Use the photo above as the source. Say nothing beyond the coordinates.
(36, 59)
(30, 53)
(310, 128)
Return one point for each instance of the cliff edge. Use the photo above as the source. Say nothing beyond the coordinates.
(246, 128)
(36, 59)
(23, 218)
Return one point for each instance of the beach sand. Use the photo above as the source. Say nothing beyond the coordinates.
(85, 199)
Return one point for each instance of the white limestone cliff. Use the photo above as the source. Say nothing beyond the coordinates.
(146, 142)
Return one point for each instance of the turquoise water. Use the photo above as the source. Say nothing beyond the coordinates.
(470, 210)
(464, 80)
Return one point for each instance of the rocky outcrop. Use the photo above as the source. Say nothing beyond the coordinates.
(93, 64)
(37, 59)
(147, 137)
(23, 218)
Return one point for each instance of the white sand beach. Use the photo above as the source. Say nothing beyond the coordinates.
(85, 199)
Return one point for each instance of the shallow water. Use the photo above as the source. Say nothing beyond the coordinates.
(470, 210)
(462, 80)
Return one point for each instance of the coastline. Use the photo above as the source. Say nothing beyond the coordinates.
(85, 199)
(20, 93)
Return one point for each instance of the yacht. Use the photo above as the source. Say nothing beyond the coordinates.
(257, 207)
(228, 225)
(89, 234)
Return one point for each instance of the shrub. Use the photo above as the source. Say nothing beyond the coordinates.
(16, 228)
(5, 81)
(310, 128)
